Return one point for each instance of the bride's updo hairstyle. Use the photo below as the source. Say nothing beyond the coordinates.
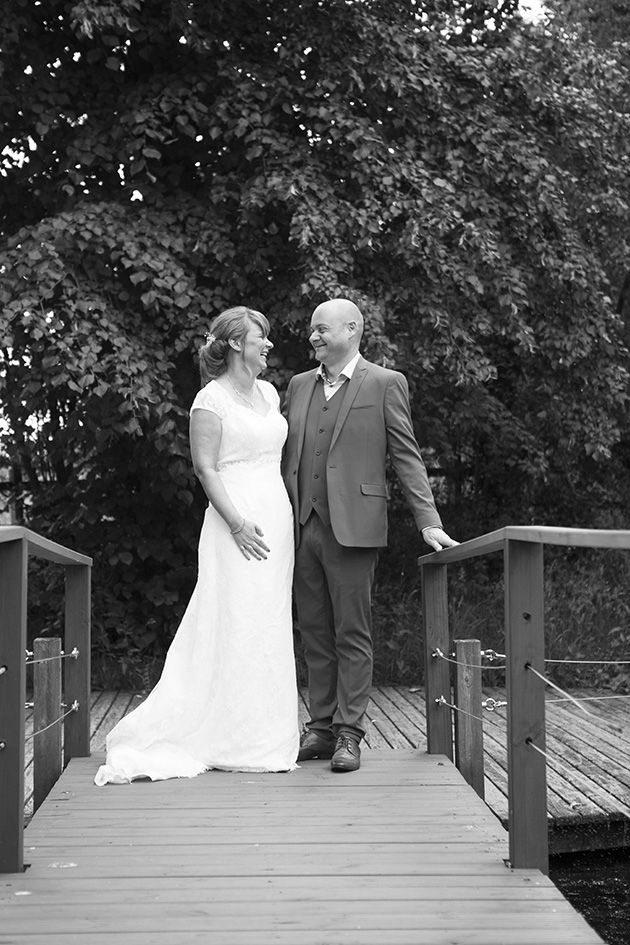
(231, 325)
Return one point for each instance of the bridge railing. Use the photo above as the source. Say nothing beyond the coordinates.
(522, 548)
(16, 545)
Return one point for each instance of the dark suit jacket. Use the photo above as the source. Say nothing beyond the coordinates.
(375, 419)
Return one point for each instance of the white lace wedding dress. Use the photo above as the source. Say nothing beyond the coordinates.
(227, 697)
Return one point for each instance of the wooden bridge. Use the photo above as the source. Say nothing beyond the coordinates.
(402, 851)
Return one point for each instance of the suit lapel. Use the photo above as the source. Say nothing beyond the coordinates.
(303, 401)
(358, 376)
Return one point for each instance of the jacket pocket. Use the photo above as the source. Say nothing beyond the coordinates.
(374, 488)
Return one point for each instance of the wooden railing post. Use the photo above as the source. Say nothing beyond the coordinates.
(13, 584)
(47, 709)
(16, 543)
(468, 724)
(77, 671)
(437, 677)
(524, 637)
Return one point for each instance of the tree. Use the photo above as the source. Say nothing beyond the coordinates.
(467, 186)
(605, 21)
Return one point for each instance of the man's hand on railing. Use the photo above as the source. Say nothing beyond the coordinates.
(437, 538)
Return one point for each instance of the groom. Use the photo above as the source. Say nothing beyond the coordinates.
(344, 418)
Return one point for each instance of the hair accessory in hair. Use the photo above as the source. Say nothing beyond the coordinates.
(210, 337)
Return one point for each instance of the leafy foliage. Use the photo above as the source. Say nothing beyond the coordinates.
(605, 21)
(460, 174)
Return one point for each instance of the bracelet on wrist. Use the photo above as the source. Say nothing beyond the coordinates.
(239, 528)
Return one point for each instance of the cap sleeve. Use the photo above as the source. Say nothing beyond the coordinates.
(209, 398)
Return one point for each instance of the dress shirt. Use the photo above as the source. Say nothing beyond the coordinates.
(344, 375)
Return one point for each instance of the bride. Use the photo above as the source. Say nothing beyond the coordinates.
(227, 696)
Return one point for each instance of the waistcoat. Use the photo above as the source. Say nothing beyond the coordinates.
(320, 424)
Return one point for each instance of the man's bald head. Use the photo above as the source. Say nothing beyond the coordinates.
(342, 310)
(336, 329)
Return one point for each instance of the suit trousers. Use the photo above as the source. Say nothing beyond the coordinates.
(333, 595)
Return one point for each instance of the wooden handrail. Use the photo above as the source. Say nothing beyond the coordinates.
(16, 544)
(541, 534)
(42, 547)
(522, 548)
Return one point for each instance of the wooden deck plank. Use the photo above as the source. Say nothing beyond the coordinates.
(395, 724)
(223, 890)
(565, 803)
(359, 936)
(103, 722)
(28, 761)
(585, 778)
(601, 739)
(579, 791)
(496, 779)
(401, 851)
(174, 917)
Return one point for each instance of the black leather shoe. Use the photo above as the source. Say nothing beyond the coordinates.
(347, 754)
(314, 745)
